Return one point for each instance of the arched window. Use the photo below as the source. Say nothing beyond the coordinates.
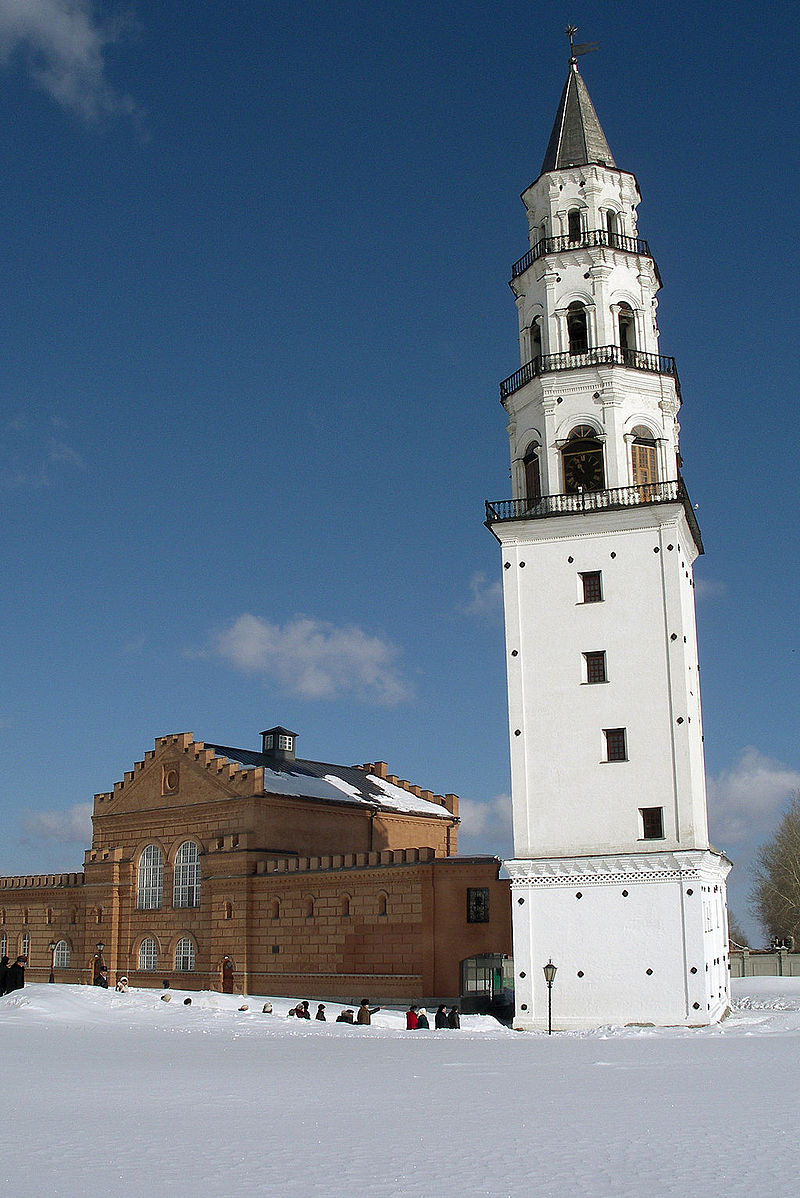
(3, 915)
(627, 328)
(98, 914)
(184, 955)
(61, 955)
(383, 903)
(49, 915)
(574, 224)
(186, 884)
(3, 945)
(308, 907)
(150, 889)
(25, 945)
(577, 328)
(612, 223)
(344, 905)
(583, 461)
(533, 482)
(275, 909)
(227, 911)
(148, 954)
(644, 456)
(535, 335)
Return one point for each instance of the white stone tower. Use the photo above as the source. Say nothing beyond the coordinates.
(613, 878)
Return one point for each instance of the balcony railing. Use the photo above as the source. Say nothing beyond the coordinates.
(599, 355)
(587, 239)
(595, 501)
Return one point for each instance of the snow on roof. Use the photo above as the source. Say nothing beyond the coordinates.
(323, 780)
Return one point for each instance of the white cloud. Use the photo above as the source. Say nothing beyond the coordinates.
(745, 800)
(38, 470)
(485, 827)
(62, 44)
(71, 826)
(314, 659)
(709, 588)
(486, 597)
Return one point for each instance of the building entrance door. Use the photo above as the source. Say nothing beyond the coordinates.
(227, 976)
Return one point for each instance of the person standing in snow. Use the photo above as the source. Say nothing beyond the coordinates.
(440, 1019)
(453, 1017)
(320, 1015)
(15, 978)
(102, 979)
(422, 1020)
(345, 1016)
(411, 1019)
(302, 1012)
(365, 1013)
(122, 985)
(3, 974)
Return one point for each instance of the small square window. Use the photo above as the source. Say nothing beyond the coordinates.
(595, 666)
(477, 904)
(652, 823)
(592, 587)
(616, 747)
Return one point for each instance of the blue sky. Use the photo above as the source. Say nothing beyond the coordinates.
(255, 314)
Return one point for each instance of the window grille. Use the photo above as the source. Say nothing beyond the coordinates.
(151, 879)
(592, 589)
(61, 955)
(186, 886)
(184, 955)
(595, 666)
(477, 904)
(616, 748)
(148, 954)
(25, 946)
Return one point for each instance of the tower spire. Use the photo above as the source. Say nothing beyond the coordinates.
(577, 137)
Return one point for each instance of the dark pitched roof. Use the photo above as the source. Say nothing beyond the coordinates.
(326, 781)
(577, 136)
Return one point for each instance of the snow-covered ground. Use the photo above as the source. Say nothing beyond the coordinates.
(105, 1093)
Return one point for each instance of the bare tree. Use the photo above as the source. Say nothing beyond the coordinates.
(735, 933)
(775, 897)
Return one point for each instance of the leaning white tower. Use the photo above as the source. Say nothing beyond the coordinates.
(613, 878)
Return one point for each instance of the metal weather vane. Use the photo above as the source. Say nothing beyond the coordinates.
(580, 47)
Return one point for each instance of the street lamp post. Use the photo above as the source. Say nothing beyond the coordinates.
(549, 977)
(98, 960)
(52, 947)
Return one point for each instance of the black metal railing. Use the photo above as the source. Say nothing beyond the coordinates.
(587, 238)
(581, 502)
(599, 355)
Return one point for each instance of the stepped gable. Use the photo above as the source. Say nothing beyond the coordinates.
(367, 785)
(148, 784)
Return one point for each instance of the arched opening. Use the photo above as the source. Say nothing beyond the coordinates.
(25, 946)
(186, 882)
(577, 328)
(644, 457)
(61, 955)
(227, 975)
(308, 907)
(275, 909)
(627, 330)
(4, 945)
(184, 955)
(148, 955)
(612, 223)
(383, 903)
(574, 224)
(533, 481)
(535, 338)
(344, 905)
(582, 458)
(227, 910)
(150, 887)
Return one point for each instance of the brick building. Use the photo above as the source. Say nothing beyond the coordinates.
(224, 868)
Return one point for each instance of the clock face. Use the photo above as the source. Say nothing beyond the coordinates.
(583, 470)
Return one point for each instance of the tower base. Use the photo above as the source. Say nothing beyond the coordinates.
(636, 939)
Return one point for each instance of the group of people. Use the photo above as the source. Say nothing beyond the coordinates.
(362, 1016)
(12, 977)
(417, 1018)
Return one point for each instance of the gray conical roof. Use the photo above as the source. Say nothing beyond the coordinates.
(577, 136)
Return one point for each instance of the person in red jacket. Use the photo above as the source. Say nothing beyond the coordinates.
(411, 1019)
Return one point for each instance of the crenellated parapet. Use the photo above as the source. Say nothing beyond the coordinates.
(339, 861)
